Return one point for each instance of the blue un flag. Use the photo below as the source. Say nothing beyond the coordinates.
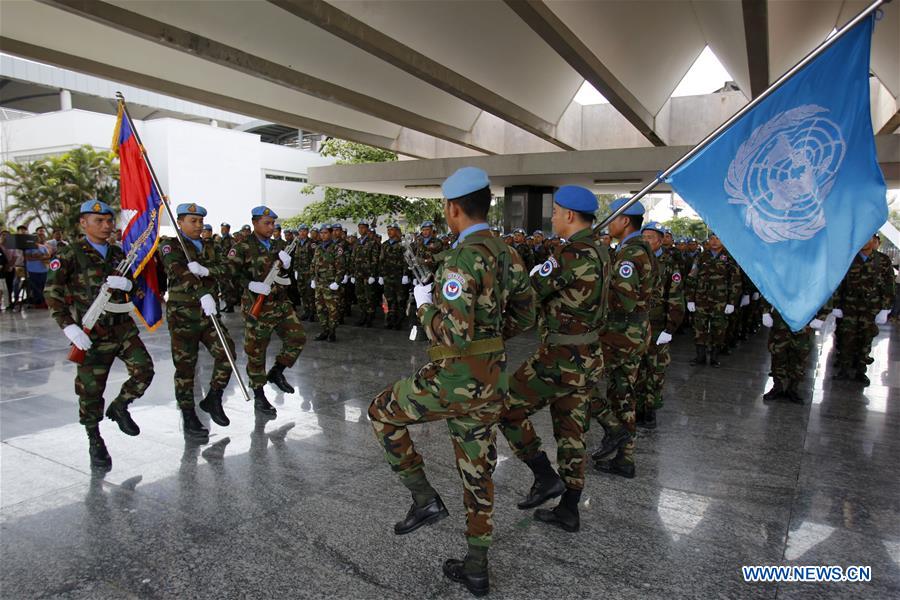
(793, 188)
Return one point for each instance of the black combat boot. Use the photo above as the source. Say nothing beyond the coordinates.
(361, 321)
(192, 425)
(118, 412)
(261, 403)
(616, 466)
(776, 392)
(612, 441)
(547, 483)
(649, 418)
(212, 404)
(565, 514)
(427, 507)
(331, 336)
(700, 358)
(793, 395)
(471, 572)
(714, 357)
(860, 377)
(100, 458)
(276, 376)
(321, 337)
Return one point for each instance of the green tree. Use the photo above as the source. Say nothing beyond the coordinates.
(50, 190)
(341, 205)
(687, 227)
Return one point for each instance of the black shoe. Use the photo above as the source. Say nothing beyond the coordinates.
(276, 376)
(477, 583)
(541, 491)
(261, 403)
(418, 516)
(100, 458)
(369, 319)
(321, 337)
(560, 516)
(700, 358)
(860, 377)
(626, 470)
(332, 337)
(192, 425)
(714, 358)
(792, 395)
(229, 309)
(118, 412)
(776, 392)
(361, 322)
(611, 444)
(649, 421)
(212, 404)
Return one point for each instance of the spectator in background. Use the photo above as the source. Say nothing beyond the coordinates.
(36, 262)
(7, 266)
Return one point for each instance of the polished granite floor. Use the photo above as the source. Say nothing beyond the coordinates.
(303, 505)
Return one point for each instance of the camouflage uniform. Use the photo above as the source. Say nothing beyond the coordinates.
(626, 336)
(714, 281)
(328, 266)
(563, 371)
(481, 297)
(859, 297)
(788, 350)
(188, 326)
(228, 290)
(666, 313)
(365, 265)
(250, 260)
(425, 251)
(302, 265)
(75, 277)
(527, 254)
(393, 268)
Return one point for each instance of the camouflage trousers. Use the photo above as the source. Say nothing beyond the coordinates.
(622, 364)
(366, 295)
(563, 377)
(854, 341)
(328, 307)
(789, 352)
(652, 375)
(122, 342)
(396, 295)
(470, 396)
(307, 294)
(281, 319)
(188, 328)
(710, 328)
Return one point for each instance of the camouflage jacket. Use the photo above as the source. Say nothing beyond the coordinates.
(541, 253)
(667, 300)
(393, 265)
(525, 251)
(364, 257)
(631, 283)
(303, 256)
(249, 260)
(426, 252)
(329, 263)
(859, 294)
(885, 278)
(224, 245)
(482, 291)
(279, 244)
(74, 278)
(714, 281)
(570, 287)
(184, 287)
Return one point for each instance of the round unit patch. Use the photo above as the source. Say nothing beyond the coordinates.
(166, 249)
(546, 268)
(626, 269)
(232, 252)
(676, 276)
(453, 286)
(55, 264)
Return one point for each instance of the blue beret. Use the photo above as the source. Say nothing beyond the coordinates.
(465, 181)
(325, 226)
(314, 228)
(635, 209)
(337, 226)
(519, 230)
(247, 227)
(654, 226)
(426, 224)
(537, 232)
(95, 207)
(207, 227)
(394, 226)
(225, 225)
(366, 223)
(577, 198)
(303, 226)
(190, 209)
(277, 225)
(263, 211)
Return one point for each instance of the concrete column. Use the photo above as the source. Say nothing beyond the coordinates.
(65, 100)
(213, 123)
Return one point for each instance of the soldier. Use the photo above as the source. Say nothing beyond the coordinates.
(484, 298)
(427, 246)
(206, 234)
(523, 248)
(192, 283)
(328, 270)
(624, 339)
(666, 314)
(277, 241)
(314, 234)
(572, 289)
(302, 261)
(250, 261)
(538, 248)
(789, 352)
(394, 277)
(347, 289)
(365, 270)
(76, 276)
(229, 293)
(713, 289)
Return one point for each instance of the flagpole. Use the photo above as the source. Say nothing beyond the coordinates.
(747, 108)
(218, 327)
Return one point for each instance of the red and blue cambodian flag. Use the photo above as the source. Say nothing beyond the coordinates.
(141, 213)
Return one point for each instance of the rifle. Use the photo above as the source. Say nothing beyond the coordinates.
(419, 271)
(101, 304)
(272, 278)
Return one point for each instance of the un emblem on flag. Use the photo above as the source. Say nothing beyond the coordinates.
(784, 171)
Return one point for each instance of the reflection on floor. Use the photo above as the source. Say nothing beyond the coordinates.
(303, 505)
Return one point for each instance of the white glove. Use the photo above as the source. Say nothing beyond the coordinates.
(208, 304)
(664, 338)
(333, 286)
(422, 294)
(78, 337)
(729, 308)
(692, 307)
(119, 283)
(756, 295)
(258, 287)
(816, 324)
(745, 300)
(767, 320)
(346, 279)
(198, 269)
(285, 259)
(837, 313)
(404, 280)
(415, 281)
(353, 280)
(882, 317)
(312, 283)
(371, 280)
(381, 281)
(535, 269)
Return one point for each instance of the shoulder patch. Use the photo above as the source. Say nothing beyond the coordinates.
(55, 264)
(626, 269)
(676, 276)
(166, 249)
(548, 267)
(453, 286)
(232, 252)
